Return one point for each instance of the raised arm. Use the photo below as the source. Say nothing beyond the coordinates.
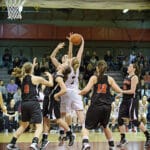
(2, 106)
(53, 55)
(80, 51)
(89, 86)
(34, 64)
(70, 55)
(39, 80)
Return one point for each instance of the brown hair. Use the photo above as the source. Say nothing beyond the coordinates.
(102, 67)
(66, 71)
(137, 70)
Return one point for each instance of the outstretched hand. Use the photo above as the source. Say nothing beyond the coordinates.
(69, 37)
(61, 45)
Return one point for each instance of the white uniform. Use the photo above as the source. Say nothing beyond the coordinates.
(115, 112)
(142, 109)
(71, 98)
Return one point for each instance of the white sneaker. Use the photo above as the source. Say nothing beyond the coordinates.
(34, 146)
(12, 147)
(86, 146)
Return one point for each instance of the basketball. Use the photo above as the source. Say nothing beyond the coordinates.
(76, 39)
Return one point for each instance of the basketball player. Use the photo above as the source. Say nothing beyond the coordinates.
(30, 108)
(2, 106)
(143, 105)
(114, 112)
(59, 90)
(72, 100)
(99, 110)
(129, 105)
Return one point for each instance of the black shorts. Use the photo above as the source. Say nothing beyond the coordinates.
(46, 105)
(97, 115)
(129, 109)
(31, 111)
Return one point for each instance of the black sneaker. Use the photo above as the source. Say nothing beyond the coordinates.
(34, 146)
(86, 146)
(71, 139)
(147, 143)
(122, 143)
(44, 144)
(62, 139)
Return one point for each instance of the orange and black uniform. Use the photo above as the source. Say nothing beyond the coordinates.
(129, 104)
(100, 108)
(30, 107)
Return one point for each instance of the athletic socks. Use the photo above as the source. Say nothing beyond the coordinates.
(13, 140)
(45, 136)
(123, 136)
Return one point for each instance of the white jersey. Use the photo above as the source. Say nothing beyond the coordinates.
(71, 99)
(72, 81)
(142, 107)
(115, 112)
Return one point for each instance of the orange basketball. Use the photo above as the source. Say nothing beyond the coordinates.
(76, 39)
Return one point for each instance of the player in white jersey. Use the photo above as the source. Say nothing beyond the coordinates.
(114, 112)
(72, 100)
(143, 104)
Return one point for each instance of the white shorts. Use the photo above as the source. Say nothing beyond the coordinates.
(71, 100)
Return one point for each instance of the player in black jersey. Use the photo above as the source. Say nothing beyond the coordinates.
(30, 108)
(129, 106)
(59, 89)
(99, 111)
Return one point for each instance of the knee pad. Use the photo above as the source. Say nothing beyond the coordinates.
(120, 121)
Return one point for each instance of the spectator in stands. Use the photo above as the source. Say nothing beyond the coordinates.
(7, 58)
(2, 110)
(143, 105)
(125, 66)
(44, 63)
(16, 62)
(17, 97)
(11, 89)
(145, 91)
(37, 69)
(11, 117)
(132, 57)
(109, 59)
(114, 113)
(140, 58)
(22, 57)
(147, 78)
(120, 58)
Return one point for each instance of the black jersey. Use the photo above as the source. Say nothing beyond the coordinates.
(127, 86)
(101, 94)
(56, 88)
(29, 90)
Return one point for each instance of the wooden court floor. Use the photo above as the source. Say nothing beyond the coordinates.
(97, 140)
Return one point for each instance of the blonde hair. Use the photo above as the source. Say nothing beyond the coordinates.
(20, 72)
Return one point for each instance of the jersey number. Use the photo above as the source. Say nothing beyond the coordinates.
(102, 88)
(26, 88)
